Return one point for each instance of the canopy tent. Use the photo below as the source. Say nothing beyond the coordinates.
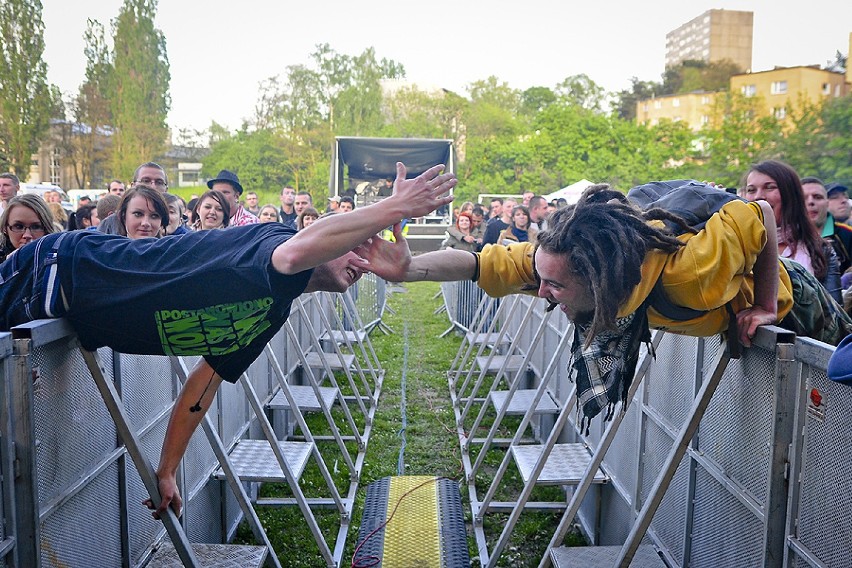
(571, 193)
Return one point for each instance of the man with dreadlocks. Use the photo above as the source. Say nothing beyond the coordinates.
(606, 264)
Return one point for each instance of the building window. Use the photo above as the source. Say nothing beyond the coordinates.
(836, 91)
(705, 119)
(658, 104)
(54, 169)
(705, 100)
(675, 102)
(778, 88)
(826, 88)
(749, 90)
(780, 113)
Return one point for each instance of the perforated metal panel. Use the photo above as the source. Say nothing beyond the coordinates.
(671, 379)
(146, 387)
(825, 502)
(725, 533)
(738, 423)
(71, 423)
(73, 532)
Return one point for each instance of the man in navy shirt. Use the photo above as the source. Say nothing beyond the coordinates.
(218, 294)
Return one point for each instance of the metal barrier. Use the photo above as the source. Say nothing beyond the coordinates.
(70, 494)
(764, 482)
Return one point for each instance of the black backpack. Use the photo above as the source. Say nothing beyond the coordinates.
(695, 202)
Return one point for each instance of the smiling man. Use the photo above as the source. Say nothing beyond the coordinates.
(616, 272)
(219, 294)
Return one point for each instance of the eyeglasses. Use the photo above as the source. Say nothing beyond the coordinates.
(156, 182)
(36, 228)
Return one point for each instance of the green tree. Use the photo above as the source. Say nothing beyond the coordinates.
(27, 102)
(580, 90)
(139, 88)
(624, 106)
(836, 158)
(736, 136)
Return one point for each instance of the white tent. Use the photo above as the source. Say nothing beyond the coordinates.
(571, 193)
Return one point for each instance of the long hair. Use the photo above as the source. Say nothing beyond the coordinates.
(152, 196)
(604, 238)
(33, 202)
(76, 218)
(794, 214)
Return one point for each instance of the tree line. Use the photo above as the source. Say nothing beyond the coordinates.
(508, 140)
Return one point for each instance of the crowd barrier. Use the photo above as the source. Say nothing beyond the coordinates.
(70, 495)
(764, 482)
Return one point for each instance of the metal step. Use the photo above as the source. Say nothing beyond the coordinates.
(305, 397)
(487, 338)
(253, 460)
(565, 464)
(343, 337)
(210, 555)
(315, 359)
(496, 363)
(522, 401)
(603, 556)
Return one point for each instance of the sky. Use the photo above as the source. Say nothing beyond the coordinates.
(219, 52)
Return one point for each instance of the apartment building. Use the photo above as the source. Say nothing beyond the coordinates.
(713, 36)
(691, 108)
(781, 88)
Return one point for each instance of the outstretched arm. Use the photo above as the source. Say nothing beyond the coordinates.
(765, 270)
(393, 261)
(192, 404)
(329, 238)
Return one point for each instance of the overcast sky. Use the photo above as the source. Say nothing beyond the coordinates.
(219, 51)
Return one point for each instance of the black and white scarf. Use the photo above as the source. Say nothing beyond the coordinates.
(605, 370)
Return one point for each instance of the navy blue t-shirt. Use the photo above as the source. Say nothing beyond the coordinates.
(210, 293)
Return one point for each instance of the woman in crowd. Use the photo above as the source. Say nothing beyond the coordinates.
(177, 214)
(461, 236)
(25, 219)
(85, 217)
(778, 184)
(60, 216)
(519, 231)
(308, 216)
(142, 213)
(211, 212)
(268, 214)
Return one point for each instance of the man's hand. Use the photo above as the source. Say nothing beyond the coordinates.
(750, 319)
(388, 260)
(425, 193)
(169, 495)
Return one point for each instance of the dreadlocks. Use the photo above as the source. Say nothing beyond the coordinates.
(604, 238)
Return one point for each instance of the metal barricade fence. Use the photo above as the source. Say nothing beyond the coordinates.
(8, 533)
(819, 520)
(70, 494)
(739, 484)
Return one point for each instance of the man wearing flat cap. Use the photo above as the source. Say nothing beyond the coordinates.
(228, 184)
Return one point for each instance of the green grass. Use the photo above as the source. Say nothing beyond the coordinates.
(432, 446)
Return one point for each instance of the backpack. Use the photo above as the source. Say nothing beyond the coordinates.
(696, 202)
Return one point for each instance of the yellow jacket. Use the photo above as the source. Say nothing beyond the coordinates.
(712, 269)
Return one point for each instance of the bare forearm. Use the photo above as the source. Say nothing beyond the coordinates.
(200, 388)
(766, 266)
(442, 266)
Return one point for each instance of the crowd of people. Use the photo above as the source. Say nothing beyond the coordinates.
(145, 209)
(779, 253)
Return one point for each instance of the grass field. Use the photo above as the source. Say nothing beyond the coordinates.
(432, 446)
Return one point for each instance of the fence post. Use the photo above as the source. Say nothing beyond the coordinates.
(26, 486)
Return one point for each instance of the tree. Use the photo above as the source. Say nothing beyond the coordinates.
(580, 90)
(736, 136)
(85, 140)
(624, 106)
(27, 102)
(139, 87)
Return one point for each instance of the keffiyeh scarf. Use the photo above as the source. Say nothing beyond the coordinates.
(605, 370)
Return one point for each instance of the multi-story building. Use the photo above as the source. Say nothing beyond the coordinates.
(692, 108)
(715, 35)
(781, 88)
